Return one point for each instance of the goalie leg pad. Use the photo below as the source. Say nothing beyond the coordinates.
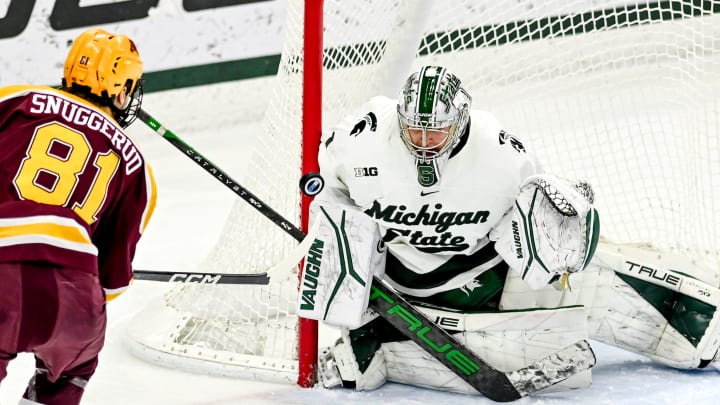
(506, 340)
(634, 303)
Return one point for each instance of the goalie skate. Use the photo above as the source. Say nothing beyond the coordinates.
(328, 373)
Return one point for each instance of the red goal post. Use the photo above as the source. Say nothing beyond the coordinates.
(311, 132)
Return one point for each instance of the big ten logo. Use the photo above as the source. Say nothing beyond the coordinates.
(68, 14)
(366, 171)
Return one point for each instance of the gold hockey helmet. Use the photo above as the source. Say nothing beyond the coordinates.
(103, 63)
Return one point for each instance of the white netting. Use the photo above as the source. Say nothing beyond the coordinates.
(622, 93)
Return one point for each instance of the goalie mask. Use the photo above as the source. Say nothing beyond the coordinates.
(433, 111)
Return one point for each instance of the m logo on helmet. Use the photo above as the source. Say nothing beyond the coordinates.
(84, 60)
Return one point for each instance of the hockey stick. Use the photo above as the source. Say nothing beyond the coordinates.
(220, 175)
(494, 384)
(200, 278)
(229, 278)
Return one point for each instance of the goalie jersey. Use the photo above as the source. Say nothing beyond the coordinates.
(436, 231)
(76, 192)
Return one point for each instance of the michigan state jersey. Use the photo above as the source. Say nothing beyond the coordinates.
(435, 225)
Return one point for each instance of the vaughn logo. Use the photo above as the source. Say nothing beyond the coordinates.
(516, 237)
(442, 240)
(310, 275)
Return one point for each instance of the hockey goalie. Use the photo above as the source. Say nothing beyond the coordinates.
(457, 216)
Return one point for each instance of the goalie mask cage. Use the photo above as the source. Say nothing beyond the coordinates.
(624, 94)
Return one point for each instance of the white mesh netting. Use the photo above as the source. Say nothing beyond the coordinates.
(624, 94)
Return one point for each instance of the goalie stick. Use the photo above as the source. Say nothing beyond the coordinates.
(495, 384)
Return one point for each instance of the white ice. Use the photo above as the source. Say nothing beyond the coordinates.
(191, 210)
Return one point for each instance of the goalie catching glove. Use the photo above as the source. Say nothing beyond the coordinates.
(340, 264)
(551, 231)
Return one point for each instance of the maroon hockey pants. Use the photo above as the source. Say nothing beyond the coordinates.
(57, 314)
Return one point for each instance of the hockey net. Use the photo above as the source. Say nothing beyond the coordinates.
(624, 94)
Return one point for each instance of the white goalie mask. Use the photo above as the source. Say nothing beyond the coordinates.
(433, 111)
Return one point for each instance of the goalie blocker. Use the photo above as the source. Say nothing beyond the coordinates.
(346, 252)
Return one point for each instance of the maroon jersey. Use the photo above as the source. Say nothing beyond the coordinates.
(75, 190)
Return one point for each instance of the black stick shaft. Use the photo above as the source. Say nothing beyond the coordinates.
(221, 176)
(200, 278)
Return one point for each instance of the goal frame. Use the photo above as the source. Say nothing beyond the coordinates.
(550, 74)
(311, 132)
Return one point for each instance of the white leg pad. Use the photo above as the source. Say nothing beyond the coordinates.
(618, 314)
(506, 341)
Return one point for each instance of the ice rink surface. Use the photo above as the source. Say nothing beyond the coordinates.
(191, 209)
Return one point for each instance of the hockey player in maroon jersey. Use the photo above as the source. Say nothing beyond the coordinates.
(75, 197)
